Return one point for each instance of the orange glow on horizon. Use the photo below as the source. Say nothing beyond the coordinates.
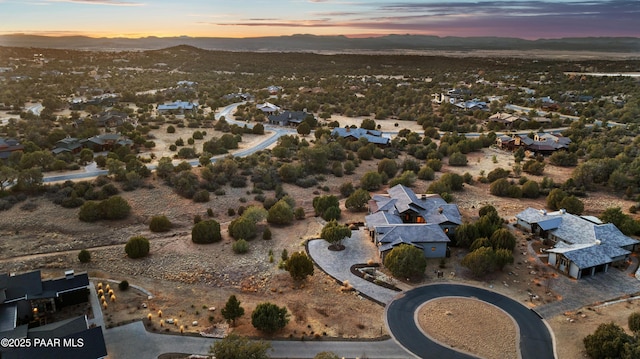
(219, 32)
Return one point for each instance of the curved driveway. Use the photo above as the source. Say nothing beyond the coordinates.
(535, 338)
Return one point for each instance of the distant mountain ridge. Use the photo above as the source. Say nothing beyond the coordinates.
(314, 43)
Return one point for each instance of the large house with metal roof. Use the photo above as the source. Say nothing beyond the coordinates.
(178, 107)
(288, 118)
(542, 143)
(354, 134)
(401, 217)
(583, 245)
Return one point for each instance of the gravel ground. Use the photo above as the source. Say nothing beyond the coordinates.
(470, 325)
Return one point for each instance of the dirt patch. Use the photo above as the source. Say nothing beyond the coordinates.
(571, 327)
(186, 278)
(470, 325)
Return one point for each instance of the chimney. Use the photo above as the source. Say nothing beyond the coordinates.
(68, 274)
(440, 210)
(424, 197)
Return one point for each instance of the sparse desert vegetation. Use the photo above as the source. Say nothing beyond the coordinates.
(205, 231)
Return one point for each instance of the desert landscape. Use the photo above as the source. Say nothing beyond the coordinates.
(452, 116)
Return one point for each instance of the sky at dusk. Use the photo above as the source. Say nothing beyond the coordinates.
(529, 19)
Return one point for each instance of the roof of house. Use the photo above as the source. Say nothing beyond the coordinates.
(8, 318)
(505, 138)
(267, 107)
(387, 221)
(59, 329)
(372, 136)
(525, 139)
(504, 117)
(7, 143)
(582, 240)
(592, 255)
(21, 285)
(430, 206)
(289, 117)
(390, 236)
(184, 105)
(93, 346)
(31, 286)
(110, 138)
(382, 203)
(382, 218)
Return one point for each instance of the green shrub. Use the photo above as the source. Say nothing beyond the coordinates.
(266, 235)
(497, 174)
(405, 261)
(124, 285)
(115, 207)
(240, 246)
(331, 213)
(90, 211)
(280, 213)
(457, 159)
(269, 318)
(160, 224)
(72, 202)
(206, 232)
(299, 266)
(137, 247)
(426, 173)
(533, 167)
(201, 196)
(84, 256)
(242, 228)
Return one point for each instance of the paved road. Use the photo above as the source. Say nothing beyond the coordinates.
(132, 341)
(92, 171)
(544, 113)
(535, 339)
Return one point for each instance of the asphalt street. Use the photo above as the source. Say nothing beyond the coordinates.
(535, 339)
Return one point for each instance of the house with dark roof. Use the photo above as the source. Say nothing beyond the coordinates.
(111, 118)
(106, 142)
(401, 217)
(583, 246)
(76, 340)
(26, 306)
(8, 146)
(354, 134)
(67, 144)
(99, 143)
(30, 294)
(288, 118)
